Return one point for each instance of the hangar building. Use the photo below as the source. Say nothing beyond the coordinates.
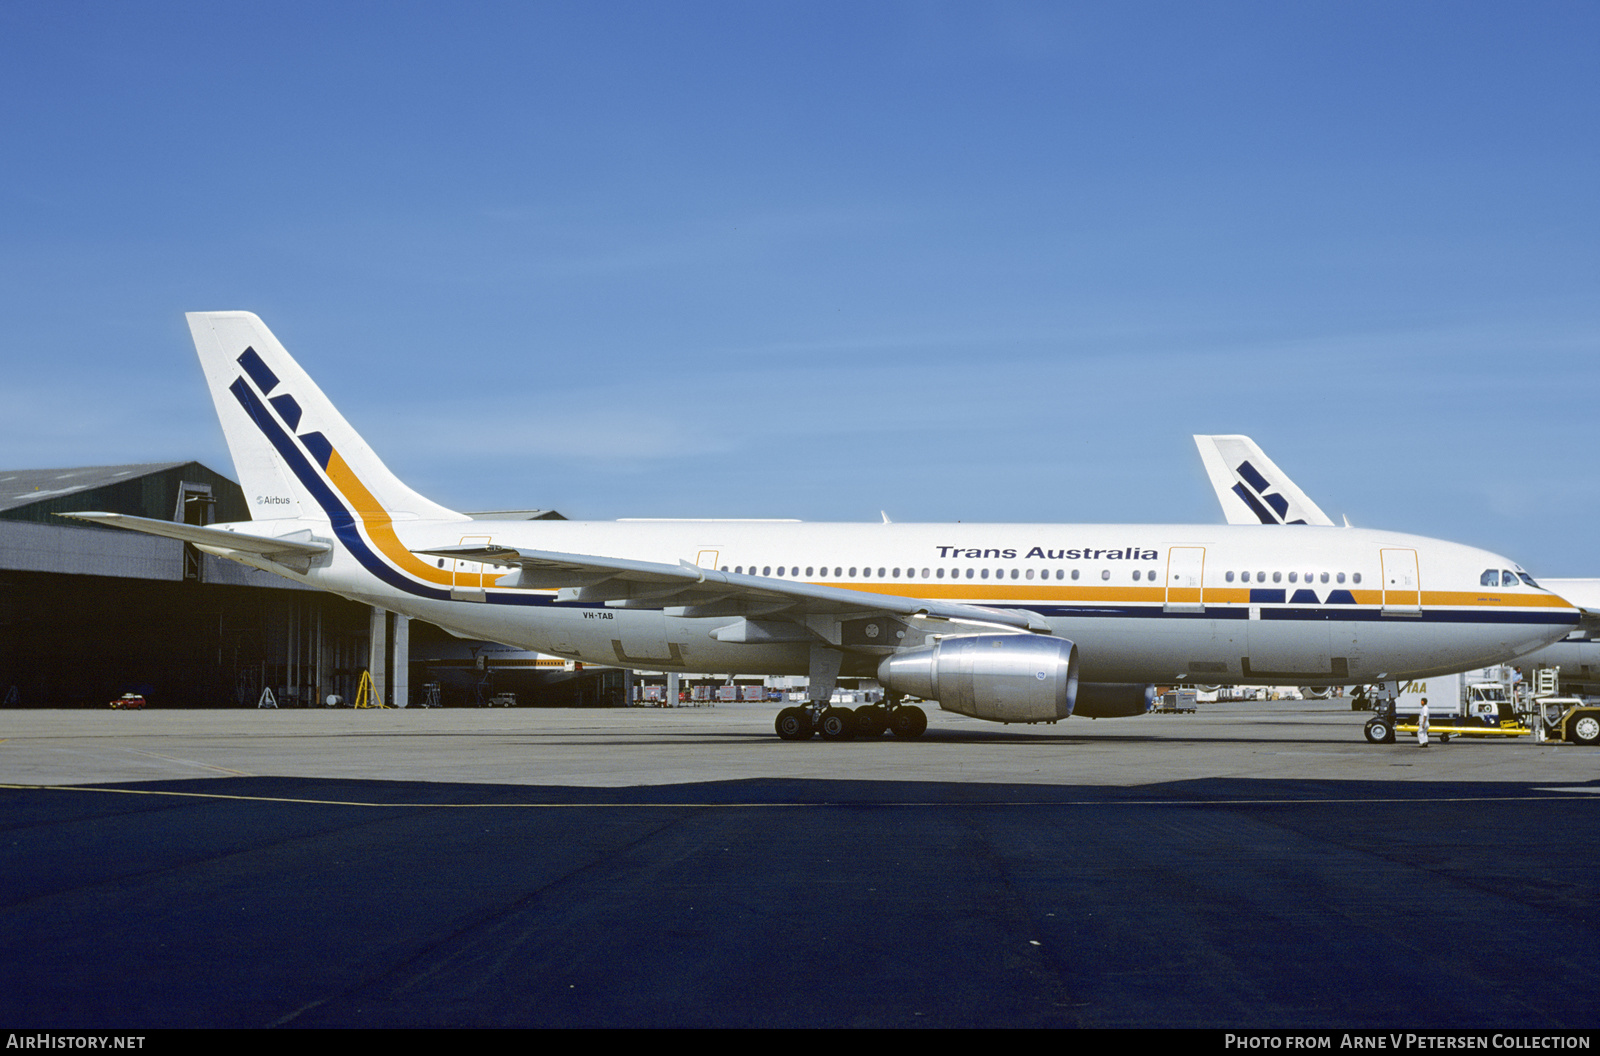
(88, 613)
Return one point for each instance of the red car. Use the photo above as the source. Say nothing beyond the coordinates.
(129, 700)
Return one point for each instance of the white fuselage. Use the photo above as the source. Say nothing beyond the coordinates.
(1143, 603)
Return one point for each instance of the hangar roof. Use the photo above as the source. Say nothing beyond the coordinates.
(144, 489)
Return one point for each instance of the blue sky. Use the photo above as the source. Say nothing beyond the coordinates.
(954, 261)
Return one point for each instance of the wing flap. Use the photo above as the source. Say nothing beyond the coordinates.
(622, 583)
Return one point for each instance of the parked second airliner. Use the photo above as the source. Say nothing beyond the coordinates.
(1007, 622)
(1252, 489)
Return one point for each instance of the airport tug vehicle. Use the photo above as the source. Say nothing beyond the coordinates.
(1569, 719)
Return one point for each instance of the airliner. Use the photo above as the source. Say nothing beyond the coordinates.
(1014, 623)
(1253, 490)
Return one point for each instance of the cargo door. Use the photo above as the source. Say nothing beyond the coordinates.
(1402, 593)
(1185, 571)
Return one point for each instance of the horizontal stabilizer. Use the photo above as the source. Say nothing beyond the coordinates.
(218, 538)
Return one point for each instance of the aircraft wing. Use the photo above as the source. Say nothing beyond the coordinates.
(1251, 487)
(211, 538)
(698, 591)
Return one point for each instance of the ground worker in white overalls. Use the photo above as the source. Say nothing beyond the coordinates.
(1422, 724)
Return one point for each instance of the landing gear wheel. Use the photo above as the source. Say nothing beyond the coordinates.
(1378, 732)
(908, 721)
(1584, 729)
(838, 724)
(794, 724)
(871, 720)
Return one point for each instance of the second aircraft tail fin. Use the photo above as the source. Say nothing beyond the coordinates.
(1251, 487)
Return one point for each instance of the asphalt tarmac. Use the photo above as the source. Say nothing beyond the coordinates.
(1252, 866)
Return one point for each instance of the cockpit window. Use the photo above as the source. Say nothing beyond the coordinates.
(1490, 578)
(1528, 580)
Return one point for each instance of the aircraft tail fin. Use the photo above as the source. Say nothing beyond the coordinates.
(1251, 487)
(295, 454)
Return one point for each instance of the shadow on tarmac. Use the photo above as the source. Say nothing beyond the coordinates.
(248, 902)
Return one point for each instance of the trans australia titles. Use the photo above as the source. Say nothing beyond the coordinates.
(1132, 553)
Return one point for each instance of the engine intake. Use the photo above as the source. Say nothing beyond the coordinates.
(999, 677)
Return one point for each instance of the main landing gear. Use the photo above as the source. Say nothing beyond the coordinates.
(906, 721)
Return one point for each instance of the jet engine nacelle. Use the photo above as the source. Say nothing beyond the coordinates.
(1000, 677)
(1114, 700)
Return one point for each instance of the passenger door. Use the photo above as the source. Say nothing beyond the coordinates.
(1186, 567)
(1402, 590)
